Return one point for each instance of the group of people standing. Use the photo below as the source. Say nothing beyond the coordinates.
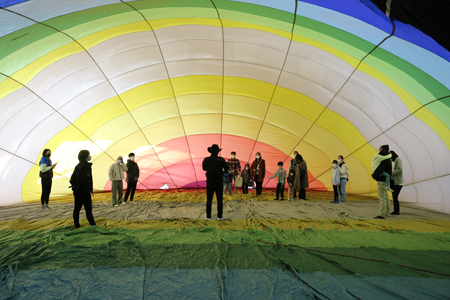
(115, 174)
(386, 166)
(255, 173)
(82, 183)
(339, 179)
(221, 174)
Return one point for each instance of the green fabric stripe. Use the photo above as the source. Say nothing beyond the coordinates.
(427, 84)
(232, 256)
(409, 240)
(244, 12)
(441, 109)
(195, 248)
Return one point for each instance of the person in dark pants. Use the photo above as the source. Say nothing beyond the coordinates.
(384, 166)
(246, 179)
(301, 181)
(214, 166)
(397, 179)
(335, 181)
(46, 174)
(292, 166)
(280, 174)
(132, 177)
(82, 186)
(258, 172)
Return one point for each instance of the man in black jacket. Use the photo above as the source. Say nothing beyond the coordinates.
(214, 165)
(385, 166)
(132, 177)
(83, 187)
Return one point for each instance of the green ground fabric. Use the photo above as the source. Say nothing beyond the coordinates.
(367, 253)
(258, 223)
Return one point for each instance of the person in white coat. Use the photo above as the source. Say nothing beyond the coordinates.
(335, 181)
(116, 176)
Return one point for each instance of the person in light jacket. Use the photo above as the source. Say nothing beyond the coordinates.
(397, 178)
(335, 181)
(116, 176)
(344, 178)
(385, 166)
(301, 181)
(280, 174)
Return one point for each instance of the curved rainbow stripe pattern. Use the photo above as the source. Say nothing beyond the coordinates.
(166, 79)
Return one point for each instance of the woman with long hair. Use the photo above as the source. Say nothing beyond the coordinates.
(301, 181)
(258, 172)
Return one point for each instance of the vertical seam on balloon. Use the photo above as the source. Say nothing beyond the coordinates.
(223, 71)
(171, 86)
(85, 50)
(276, 84)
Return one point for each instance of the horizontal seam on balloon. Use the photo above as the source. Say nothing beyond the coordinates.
(249, 117)
(368, 74)
(179, 77)
(227, 94)
(182, 25)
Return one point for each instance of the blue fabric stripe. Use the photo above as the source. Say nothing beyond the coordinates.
(142, 283)
(6, 3)
(284, 5)
(356, 9)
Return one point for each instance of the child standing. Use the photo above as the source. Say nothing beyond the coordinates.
(246, 179)
(335, 180)
(280, 174)
(376, 160)
(227, 180)
(290, 181)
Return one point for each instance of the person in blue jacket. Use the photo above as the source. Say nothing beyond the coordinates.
(46, 175)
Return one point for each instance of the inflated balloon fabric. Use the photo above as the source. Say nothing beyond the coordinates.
(166, 79)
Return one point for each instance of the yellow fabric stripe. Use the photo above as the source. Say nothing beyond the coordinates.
(286, 224)
(25, 74)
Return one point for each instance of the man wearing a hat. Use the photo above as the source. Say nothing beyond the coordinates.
(214, 166)
(384, 166)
